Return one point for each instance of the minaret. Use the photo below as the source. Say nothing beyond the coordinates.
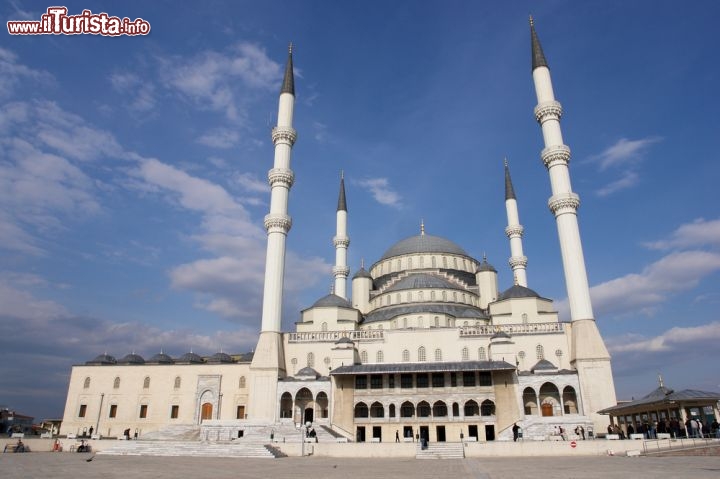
(588, 352)
(514, 232)
(341, 241)
(268, 361)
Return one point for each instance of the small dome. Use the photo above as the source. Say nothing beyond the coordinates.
(344, 340)
(161, 358)
(103, 359)
(332, 301)
(307, 372)
(543, 365)
(132, 358)
(518, 291)
(485, 266)
(220, 358)
(191, 358)
(362, 273)
(418, 281)
(500, 335)
(423, 243)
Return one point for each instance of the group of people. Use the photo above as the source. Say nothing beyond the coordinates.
(694, 427)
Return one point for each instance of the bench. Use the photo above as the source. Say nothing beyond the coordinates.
(74, 448)
(613, 437)
(375, 439)
(663, 435)
(12, 447)
(637, 436)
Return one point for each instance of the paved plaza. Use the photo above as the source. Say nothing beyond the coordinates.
(71, 466)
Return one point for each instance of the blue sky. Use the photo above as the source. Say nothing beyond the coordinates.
(133, 170)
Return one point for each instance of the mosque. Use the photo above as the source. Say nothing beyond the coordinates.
(427, 345)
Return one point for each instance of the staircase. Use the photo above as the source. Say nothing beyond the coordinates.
(191, 449)
(174, 433)
(441, 450)
(544, 427)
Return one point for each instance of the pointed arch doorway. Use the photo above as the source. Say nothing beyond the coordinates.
(206, 411)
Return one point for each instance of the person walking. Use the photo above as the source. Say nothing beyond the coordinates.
(516, 432)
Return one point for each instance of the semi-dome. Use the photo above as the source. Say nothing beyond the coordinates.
(191, 358)
(499, 336)
(422, 280)
(132, 358)
(423, 243)
(543, 365)
(518, 291)
(344, 340)
(103, 359)
(220, 358)
(332, 300)
(307, 372)
(161, 358)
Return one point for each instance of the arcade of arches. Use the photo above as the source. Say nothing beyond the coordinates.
(547, 400)
(304, 406)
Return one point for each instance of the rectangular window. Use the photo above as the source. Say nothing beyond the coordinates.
(83, 410)
(360, 382)
(485, 378)
(174, 411)
(113, 410)
(391, 381)
(469, 378)
(406, 381)
(376, 381)
(143, 411)
(453, 379)
(438, 380)
(422, 380)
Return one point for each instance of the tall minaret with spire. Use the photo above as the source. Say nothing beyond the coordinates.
(588, 352)
(268, 361)
(341, 241)
(514, 232)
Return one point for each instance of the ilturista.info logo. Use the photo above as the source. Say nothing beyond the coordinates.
(57, 22)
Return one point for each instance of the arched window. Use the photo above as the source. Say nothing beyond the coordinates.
(471, 408)
(422, 261)
(539, 352)
(438, 354)
(361, 410)
(409, 263)
(398, 300)
(387, 300)
(363, 357)
(420, 295)
(406, 356)
(524, 318)
(407, 409)
(444, 296)
(323, 327)
(423, 409)
(86, 384)
(310, 360)
(294, 362)
(394, 323)
(465, 354)
(465, 324)
(146, 383)
(444, 261)
(177, 382)
(379, 357)
(405, 323)
(481, 354)
(116, 383)
(421, 353)
(409, 297)
(455, 263)
(327, 361)
(455, 296)
(377, 410)
(487, 408)
(432, 295)
(421, 323)
(433, 262)
(241, 384)
(380, 326)
(437, 322)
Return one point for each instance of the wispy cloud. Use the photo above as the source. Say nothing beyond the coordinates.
(625, 155)
(221, 138)
(698, 233)
(381, 191)
(252, 183)
(139, 92)
(677, 338)
(13, 73)
(210, 78)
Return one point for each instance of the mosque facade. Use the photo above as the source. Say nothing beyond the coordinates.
(426, 345)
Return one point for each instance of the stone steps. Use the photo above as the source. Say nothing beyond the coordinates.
(441, 450)
(191, 449)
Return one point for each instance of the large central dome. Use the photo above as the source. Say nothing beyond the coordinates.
(423, 243)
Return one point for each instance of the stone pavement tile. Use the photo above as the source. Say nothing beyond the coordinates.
(73, 466)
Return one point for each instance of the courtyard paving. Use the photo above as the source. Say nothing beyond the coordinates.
(72, 466)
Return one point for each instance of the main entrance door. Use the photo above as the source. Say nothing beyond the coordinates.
(206, 411)
(547, 409)
(425, 432)
(309, 415)
(440, 432)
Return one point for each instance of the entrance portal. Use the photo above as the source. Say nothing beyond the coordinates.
(489, 432)
(473, 432)
(547, 409)
(425, 433)
(206, 411)
(360, 434)
(440, 432)
(309, 415)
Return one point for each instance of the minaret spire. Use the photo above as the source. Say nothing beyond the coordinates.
(538, 57)
(341, 242)
(269, 360)
(514, 232)
(588, 354)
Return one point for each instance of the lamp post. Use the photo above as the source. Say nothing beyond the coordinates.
(97, 424)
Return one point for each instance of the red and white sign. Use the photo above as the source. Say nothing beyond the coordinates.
(573, 444)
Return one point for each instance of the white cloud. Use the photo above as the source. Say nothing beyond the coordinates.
(222, 138)
(381, 191)
(251, 183)
(321, 131)
(674, 339)
(13, 74)
(210, 78)
(624, 151)
(698, 233)
(644, 292)
(627, 180)
(140, 93)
